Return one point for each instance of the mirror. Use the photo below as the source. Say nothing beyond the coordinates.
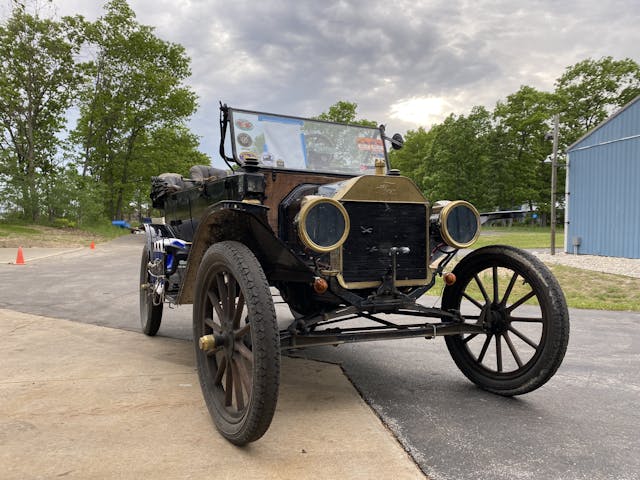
(397, 142)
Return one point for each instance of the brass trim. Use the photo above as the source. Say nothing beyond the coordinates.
(330, 273)
(308, 203)
(400, 283)
(444, 215)
(380, 188)
(207, 343)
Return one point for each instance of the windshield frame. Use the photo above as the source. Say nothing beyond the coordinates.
(233, 116)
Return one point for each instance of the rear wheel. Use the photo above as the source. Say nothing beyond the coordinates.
(239, 375)
(150, 314)
(524, 312)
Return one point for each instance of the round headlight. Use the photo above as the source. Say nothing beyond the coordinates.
(459, 224)
(323, 224)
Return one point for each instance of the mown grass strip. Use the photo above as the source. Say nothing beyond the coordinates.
(598, 291)
(7, 229)
(583, 289)
(522, 237)
(13, 235)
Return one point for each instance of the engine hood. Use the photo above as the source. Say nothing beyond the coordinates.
(374, 188)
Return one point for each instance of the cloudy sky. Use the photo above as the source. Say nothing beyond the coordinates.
(405, 63)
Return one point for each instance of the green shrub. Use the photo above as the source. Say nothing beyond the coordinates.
(63, 223)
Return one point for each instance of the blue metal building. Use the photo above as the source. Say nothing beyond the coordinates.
(603, 181)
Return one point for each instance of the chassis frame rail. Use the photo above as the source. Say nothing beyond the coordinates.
(293, 338)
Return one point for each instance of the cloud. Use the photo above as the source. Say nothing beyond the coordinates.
(406, 63)
(419, 110)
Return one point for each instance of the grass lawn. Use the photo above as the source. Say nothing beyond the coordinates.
(14, 235)
(522, 237)
(7, 229)
(582, 288)
(599, 291)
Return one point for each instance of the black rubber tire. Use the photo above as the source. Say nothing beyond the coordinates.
(543, 315)
(150, 314)
(231, 271)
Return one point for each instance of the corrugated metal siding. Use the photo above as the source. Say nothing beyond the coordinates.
(604, 186)
(623, 125)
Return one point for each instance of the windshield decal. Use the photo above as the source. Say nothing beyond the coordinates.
(368, 144)
(244, 124)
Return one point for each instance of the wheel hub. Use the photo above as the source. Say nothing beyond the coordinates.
(497, 319)
(211, 342)
(229, 344)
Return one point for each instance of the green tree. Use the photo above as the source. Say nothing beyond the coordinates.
(458, 160)
(589, 91)
(413, 158)
(135, 93)
(345, 112)
(497, 160)
(38, 79)
(519, 148)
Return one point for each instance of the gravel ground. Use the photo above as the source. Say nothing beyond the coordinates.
(620, 266)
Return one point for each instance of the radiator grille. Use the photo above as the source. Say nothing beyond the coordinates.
(375, 228)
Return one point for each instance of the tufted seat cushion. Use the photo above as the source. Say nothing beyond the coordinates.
(200, 173)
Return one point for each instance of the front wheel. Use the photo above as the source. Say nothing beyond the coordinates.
(237, 342)
(524, 313)
(150, 313)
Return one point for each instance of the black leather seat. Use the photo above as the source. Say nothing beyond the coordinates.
(173, 182)
(201, 173)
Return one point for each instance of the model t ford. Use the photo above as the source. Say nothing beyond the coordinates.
(313, 211)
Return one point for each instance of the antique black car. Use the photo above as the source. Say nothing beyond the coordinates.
(311, 211)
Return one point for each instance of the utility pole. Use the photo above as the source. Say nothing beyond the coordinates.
(554, 181)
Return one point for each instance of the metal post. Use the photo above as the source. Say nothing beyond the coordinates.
(554, 181)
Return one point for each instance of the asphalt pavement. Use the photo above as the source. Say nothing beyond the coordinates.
(583, 424)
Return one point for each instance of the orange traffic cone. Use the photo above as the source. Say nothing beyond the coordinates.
(20, 257)
(92, 246)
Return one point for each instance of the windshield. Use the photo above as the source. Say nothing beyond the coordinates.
(278, 141)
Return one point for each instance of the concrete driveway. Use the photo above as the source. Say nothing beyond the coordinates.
(83, 400)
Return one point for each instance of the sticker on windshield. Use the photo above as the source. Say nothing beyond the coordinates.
(243, 124)
(244, 139)
(247, 154)
(366, 144)
(267, 159)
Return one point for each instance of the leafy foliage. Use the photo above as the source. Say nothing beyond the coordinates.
(345, 112)
(497, 160)
(132, 110)
(589, 91)
(38, 79)
(520, 148)
(413, 159)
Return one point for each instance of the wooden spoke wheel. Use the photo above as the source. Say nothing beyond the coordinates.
(524, 313)
(237, 342)
(150, 314)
